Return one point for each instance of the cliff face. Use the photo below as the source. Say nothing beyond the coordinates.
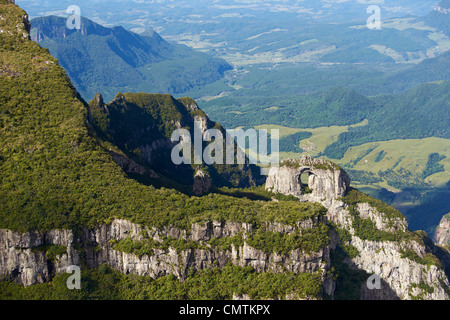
(384, 246)
(141, 126)
(401, 261)
(442, 233)
(22, 261)
(326, 181)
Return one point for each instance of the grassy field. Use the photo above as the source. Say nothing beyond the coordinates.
(316, 144)
(412, 154)
(422, 201)
(409, 154)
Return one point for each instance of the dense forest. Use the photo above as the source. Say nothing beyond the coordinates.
(110, 60)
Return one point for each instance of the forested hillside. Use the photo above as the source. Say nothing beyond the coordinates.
(111, 60)
(420, 113)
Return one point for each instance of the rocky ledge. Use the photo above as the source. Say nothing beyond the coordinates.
(25, 258)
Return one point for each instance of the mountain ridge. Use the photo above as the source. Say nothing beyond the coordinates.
(126, 62)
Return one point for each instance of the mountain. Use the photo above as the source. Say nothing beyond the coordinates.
(69, 197)
(434, 69)
(141, 124)
(114, 60)
(412, 115)
(440, 17)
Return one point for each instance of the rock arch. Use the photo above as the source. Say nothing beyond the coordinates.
(326, 180)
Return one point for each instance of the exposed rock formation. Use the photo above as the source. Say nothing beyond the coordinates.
(31, 267)
(400, 265)
(141, 126)
(21, 258)
(406, 265)
(202, 183)
(442, 233)
(326, 181)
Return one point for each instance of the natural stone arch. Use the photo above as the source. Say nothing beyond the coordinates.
(326, 180)
(306, 178)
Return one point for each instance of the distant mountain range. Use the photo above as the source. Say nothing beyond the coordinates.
(440, 17)
(109, 60)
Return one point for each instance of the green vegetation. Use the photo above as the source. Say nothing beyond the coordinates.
(293, 163)
(348, 280)
(51, 251)
(422, 286)
(57, 175)
(254, 193)
(354, 197)
(114, 59)
(402, 179)
(308, 240)
(210, 284)
(344, 239)
(291, 142)
(337, 106)
(360, 157)
(227, 242)
(433, 165)
(428, 260)
(366, 228)
(141, 124)
(411, 115)
(363, 177)
(380, 156)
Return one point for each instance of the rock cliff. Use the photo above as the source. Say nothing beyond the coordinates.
(326, 180)
(442, 233)
(141, 126)
(23, 261)
(378, 236)
(377, 241)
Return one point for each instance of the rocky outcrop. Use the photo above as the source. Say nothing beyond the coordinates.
(202, 183)
(401, 274)
(142, 126)
(406, 267)
(96, 248)
(404, 278)
(23, 257)
(442, 233)
(326, 180)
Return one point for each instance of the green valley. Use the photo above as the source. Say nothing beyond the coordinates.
(111, 60)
